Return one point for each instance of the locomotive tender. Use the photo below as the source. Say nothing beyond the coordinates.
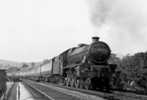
(85, 66)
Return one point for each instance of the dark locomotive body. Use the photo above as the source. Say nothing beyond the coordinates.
(85, 66)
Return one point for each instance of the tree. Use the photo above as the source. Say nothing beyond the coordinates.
(24, 65)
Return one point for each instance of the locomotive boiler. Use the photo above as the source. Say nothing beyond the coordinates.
(85, 66)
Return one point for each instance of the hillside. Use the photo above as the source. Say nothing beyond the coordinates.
(5, 64)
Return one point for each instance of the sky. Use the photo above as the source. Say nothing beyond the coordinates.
(33, 30)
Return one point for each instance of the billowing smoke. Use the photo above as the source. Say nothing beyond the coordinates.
(100, 10)
(124, 22)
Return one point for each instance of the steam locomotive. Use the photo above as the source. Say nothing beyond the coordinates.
(85, 66)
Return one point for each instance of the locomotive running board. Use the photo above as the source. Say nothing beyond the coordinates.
(71, 66)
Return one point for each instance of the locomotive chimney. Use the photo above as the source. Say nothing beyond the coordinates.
(95, 39)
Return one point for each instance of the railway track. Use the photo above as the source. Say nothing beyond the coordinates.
(118, 95)
(36, 94)
(12, 93)
(56, 93)
(25, 92)
(115, 95)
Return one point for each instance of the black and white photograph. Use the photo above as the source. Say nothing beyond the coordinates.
(73, 49)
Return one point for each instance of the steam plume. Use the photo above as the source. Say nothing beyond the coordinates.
(121, 20)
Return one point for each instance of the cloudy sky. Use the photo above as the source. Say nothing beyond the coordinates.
(33, 30)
